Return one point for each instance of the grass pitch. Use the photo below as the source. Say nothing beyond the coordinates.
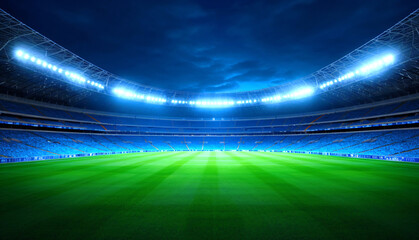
(209, 195)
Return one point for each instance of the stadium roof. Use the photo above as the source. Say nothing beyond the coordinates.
(398, 79)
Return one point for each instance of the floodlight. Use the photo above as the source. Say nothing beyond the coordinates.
(19, 53)
(388, 59)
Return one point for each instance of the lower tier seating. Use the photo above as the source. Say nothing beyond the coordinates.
(17, 143)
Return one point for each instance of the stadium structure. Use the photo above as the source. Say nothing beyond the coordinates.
(338, 125)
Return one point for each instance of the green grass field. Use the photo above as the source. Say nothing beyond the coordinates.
(209, 195)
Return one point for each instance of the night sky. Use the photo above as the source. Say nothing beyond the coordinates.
(211, 46)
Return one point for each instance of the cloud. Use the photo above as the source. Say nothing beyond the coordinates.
(224, 87)
(214, 45)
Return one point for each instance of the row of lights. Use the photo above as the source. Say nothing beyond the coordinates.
(123, 93)
(212, 103)
(205, 102)
(362, 71)
(304, 92)
(44, 64)
(296, 94)
(249, 101)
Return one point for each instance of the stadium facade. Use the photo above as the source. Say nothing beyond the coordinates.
(55, 104)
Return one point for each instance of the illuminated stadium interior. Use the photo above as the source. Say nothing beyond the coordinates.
(86, 153)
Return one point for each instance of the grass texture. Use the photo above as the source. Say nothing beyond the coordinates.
(209, 195)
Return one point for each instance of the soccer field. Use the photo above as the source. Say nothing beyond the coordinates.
(209, 195)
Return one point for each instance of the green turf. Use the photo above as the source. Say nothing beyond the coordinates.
(209, 195)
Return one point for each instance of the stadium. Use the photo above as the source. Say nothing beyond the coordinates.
(87, 154)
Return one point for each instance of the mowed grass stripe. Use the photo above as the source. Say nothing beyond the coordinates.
(300, 168)
(373, 182)
(63, 166)
(61, 176)
(369, 197)
(350, 163)
(72, 183)
(378, 169)
(138, 215)
(295, 197)
(212, 215)
(119, 208)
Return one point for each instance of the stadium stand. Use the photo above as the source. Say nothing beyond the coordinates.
(30, 130)
(380, 143)
(24, 109)
(373, 114)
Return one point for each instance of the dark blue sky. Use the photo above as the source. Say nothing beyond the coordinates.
(210, 45)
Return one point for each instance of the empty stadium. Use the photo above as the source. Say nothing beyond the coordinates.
(87, 154)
